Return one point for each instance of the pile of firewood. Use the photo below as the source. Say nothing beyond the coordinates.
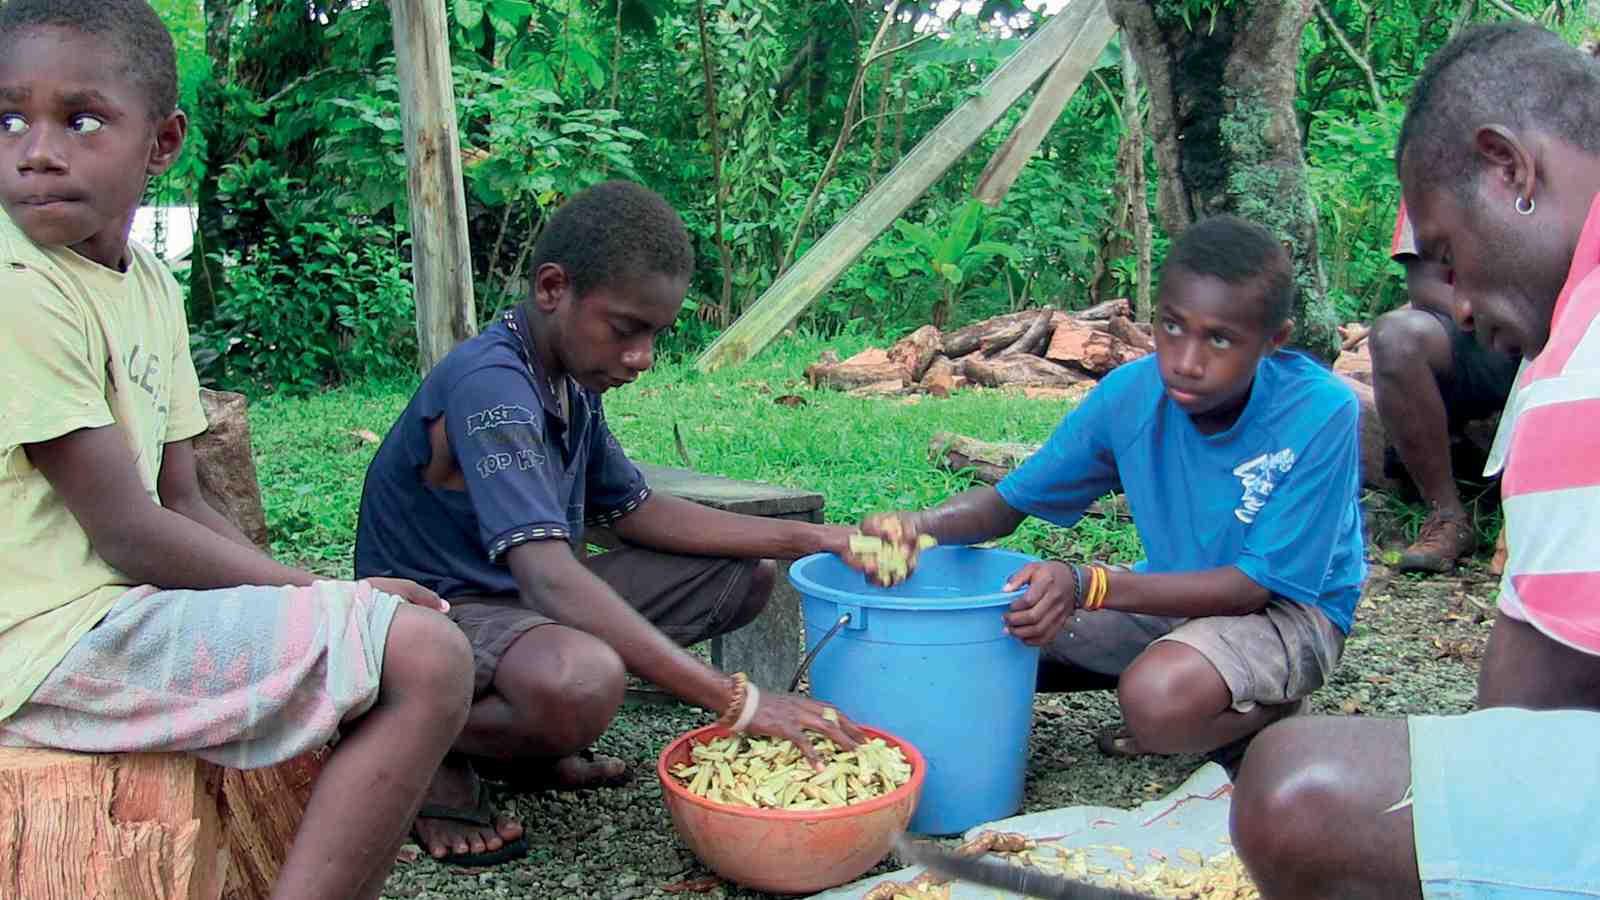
(1035, 349)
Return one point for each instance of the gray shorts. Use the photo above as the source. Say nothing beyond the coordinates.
(1274, 656)
(689, 598)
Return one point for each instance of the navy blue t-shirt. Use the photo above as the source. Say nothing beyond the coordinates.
(1277, 494)
(530, 473)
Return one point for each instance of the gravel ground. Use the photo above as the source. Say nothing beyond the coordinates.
(1415, 649)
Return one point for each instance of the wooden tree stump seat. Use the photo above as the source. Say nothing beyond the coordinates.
(145, 826)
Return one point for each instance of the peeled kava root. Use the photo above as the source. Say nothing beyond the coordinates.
(772, 774)
(893, 563)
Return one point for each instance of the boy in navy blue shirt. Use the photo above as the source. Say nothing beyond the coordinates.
(1239, 461)
(484, 487)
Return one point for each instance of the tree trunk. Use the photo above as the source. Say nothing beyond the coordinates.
(1222, 119)
(206, 274)
(714, 129)
(1138, 193)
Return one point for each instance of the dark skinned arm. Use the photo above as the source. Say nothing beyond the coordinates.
(1039, 615)
(575, 597)
(94, 472)
(179, 486)
(674, 525)
(970, 517)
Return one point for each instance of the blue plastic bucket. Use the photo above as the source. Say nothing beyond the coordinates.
(927, 660)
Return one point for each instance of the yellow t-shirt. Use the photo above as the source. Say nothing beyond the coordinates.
(82, 346)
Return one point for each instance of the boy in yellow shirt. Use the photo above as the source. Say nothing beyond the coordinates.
(123, 626)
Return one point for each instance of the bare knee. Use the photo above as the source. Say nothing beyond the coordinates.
(1163, 699)
(1402, 337)
(566, 684)
(1277, 785)
(427, 661)
(763, 578)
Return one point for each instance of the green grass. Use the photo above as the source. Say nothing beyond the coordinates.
(863, 454)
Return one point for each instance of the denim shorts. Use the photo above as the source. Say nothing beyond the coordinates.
(1505, 803)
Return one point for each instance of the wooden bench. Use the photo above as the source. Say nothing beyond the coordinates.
(768, 649)
(145, 826)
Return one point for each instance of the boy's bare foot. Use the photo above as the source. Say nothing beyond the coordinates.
(457, 823)
(585, 770)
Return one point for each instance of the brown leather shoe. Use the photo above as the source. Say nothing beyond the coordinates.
(1439, 545)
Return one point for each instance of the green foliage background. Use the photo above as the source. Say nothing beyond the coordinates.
(297, 162)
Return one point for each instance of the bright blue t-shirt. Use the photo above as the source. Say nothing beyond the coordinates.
(1277, 494)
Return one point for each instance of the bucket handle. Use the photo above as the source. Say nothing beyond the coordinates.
(805, 664)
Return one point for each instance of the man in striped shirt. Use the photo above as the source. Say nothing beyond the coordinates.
(1500, 161)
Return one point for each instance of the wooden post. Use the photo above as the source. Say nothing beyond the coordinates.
(1051, 99)
(441, 257)
(1077, 31)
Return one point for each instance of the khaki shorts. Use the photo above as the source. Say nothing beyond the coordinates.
(689, 598)
(1275, 656)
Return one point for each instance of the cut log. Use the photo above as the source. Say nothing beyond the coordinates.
(1036, 338)
(872, 366)
(226, 467)
(1072, 394)
(1130, 333)
(943, 384)
(1104, 312)
(1021, 370)
(1087, 347)
(965, 340)
(990, 461)
(1374, 439)
(889, 387)
(144, 826)
(260, 811)
(917, 350)
(941, 365)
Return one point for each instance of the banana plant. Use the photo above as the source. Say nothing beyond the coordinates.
(955, 256)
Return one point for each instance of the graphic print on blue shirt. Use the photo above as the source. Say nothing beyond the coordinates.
(530, 474)
(1277, 494)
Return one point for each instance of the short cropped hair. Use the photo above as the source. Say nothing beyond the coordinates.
(612, 231)
(131, 26)
(1241, 253)
(1514, 74)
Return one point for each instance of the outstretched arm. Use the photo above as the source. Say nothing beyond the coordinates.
(970, 517)
(575, 597)
(674, 525)
(94, 472)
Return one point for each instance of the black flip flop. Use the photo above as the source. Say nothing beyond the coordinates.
(481, 813)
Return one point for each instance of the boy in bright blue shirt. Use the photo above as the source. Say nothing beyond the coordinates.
(1240, 463)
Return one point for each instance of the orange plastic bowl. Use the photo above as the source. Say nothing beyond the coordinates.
(780, 851)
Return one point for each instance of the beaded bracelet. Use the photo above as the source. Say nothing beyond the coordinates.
(741, 692)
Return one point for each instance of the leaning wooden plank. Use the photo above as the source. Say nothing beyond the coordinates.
(816, 271)
(441, 259)
(1046, 108)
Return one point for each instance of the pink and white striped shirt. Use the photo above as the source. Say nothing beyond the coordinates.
(1549, 448)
